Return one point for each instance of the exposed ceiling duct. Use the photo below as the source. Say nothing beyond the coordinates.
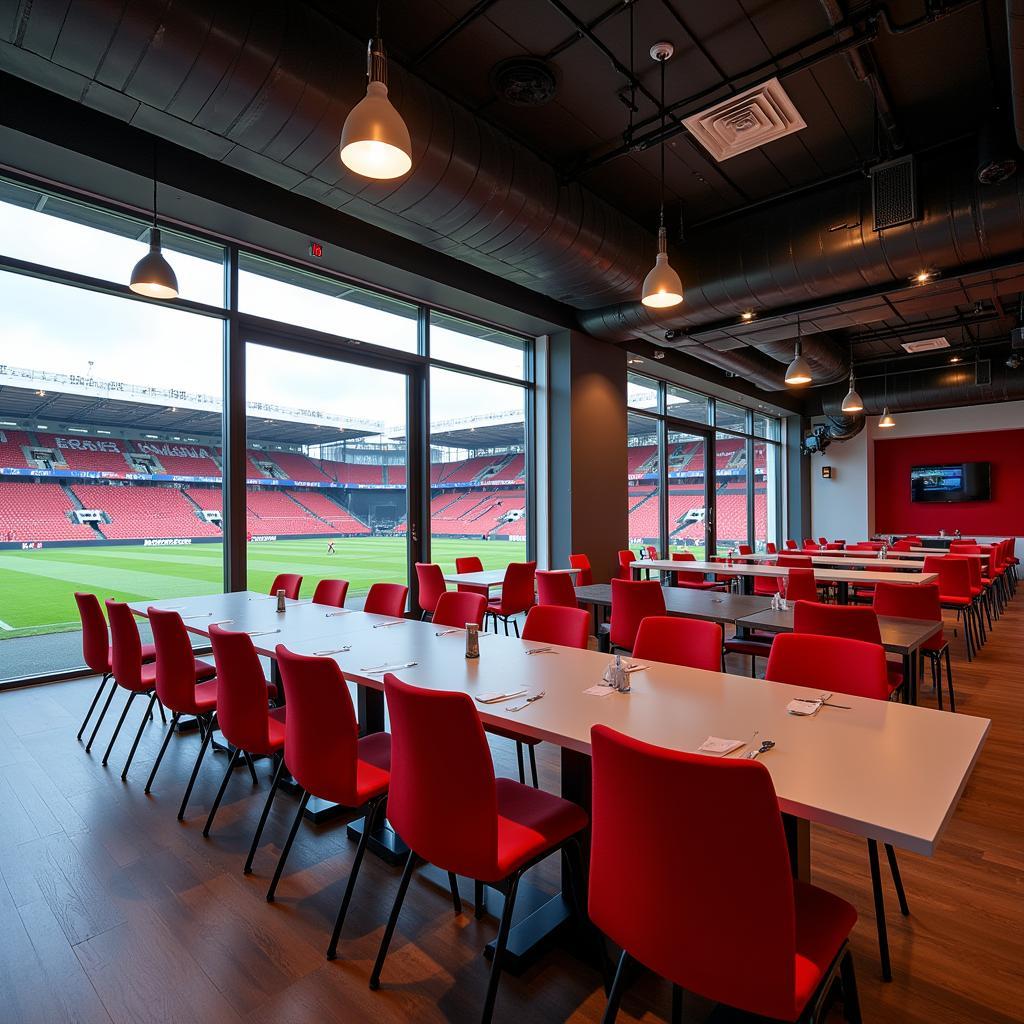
(1015, 32)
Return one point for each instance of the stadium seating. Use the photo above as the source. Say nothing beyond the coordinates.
(11, 453)
(274, 512)
(139, 512)
(38, 512)
(334, 515)
(106, 455)
(298, 467)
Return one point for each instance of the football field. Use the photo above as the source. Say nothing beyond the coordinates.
(37, 587)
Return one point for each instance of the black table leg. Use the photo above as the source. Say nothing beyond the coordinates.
(843, 592)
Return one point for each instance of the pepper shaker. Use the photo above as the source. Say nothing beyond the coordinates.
(280, 601)
(472, 640)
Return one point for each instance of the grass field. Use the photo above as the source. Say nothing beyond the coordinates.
(37, 587)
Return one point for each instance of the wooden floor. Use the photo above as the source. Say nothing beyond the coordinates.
(112, 911)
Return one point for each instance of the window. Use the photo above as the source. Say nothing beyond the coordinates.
(277, 292)
(732, 518)
(481, 348)
(642, 392)
(687, 405)
(642, 466)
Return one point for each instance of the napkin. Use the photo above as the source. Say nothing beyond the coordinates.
(494, 697)
(630, 667)
(716, 745)
(600, 690)
(804, 707)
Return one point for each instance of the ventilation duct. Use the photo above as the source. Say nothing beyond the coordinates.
(835, 428)
(1015, 33)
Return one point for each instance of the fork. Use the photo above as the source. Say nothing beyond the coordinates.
(540, 650)
(335, 650)
(394, 622)
(525, 703)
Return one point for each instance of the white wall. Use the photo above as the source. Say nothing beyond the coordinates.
(845, 505)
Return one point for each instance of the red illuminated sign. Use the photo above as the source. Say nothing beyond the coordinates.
(316, 249)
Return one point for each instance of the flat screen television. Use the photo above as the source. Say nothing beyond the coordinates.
(959, 481)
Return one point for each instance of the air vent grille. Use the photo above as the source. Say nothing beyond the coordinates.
(746, 121)
(983, 373)
(927, 345)
(894, 193)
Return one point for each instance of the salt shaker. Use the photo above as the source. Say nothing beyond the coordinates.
(280, 601)
(472, 640)
(621, 675)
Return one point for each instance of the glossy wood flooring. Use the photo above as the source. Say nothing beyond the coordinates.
(110, 910)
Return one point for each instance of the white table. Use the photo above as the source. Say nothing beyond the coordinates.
(856, 559)
(490, 577)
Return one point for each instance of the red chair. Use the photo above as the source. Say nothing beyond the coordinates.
(431, 587)
(692, 643)
(470, 563)
(132, 675)
(386, 599)
(327, 758)
(770, 548)
(791, 545)
(243, 716)
(96, 654)
(452, 812)
(586, 574)
(626, 560)
(546, 624)
(556, 588)
(744, 549)
(454, 609)
(516, 595)
(800, 585)
(632, 602)
(955, 593)
(920, 602)
(651, 551)
(710, 918)
(331, 593)
(692, 580)
(289, 582)
(855, 622)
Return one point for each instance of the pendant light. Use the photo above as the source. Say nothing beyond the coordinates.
(375, 140)
(153, 275)
(662, 286)
(798, 372)
(852, 402)
(887, 420)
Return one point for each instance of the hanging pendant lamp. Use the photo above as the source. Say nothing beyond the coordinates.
(852, 402)
(375, 140)
(662, 285)
(153, 276)
(799, 371)
(887, 420)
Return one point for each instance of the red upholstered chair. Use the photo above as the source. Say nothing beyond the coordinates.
(431, 587)
(692, 580)
(823, 541)
(626, 560)
(331, 593)
(955, 593)
(840, 665)
(710, 918)
(902, 545)
(243, 716)
(327, 758)
(809, 543)
(632, 602)
(855, 622)
(386, 599)
(770, 548)
(454, 609)
(96, 654)
(791, 545)
(920, 602)
(651, 551)
(470, 563)
(586, 574)
(131, 674)
(800, 585)
(556, 588)
(745, 549)
(517, 595)
(289, 582)
(452, 812)
(692, 643)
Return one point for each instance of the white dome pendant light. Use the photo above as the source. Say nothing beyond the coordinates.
(852, 402)
(799, 371)
(375, 140)
(662, 286)
(888, 420)
(153, 276)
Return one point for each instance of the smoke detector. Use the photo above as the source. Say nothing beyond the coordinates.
(524, 81)
(746, 121)
(928, 345)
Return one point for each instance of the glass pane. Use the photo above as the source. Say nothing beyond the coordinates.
(766, 426)
(68, 235)
(644, 481)
(478, 499)
(730, 417)
(326, 471)
(686, 495)
(767, 519)
(731, 524)
(101, 439)
(298, 297)
(687, 405)
(642, 392)
(483, 348)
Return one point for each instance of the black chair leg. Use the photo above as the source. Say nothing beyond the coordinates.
(851, 998)
(453, 884)
(117, 728)
(389, 931)
(533, 765)
(138, 736)
(949, 680)
(195, 770)
(371, 813)
(876, 889)
(163, 750)
(288, 845)
(677, 1005)
(258, 834)
(99, 721)
(251, 767)
(232, 761)
(611, 1010)
(519, 758)
(499, 950)
(92, 706)
(937, 681)
(163, 717)
(897, 880)
(515, 626)
(478, 900)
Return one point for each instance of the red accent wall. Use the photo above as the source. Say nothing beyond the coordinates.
(1002, 516)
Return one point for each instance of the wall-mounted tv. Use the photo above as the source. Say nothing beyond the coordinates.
(960, 481)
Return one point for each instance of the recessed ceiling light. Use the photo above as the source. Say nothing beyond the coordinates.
(747, 314)
(954, 359)
(924, 276)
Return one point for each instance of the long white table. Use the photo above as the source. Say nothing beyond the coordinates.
(491, 577)
(887, 771)
(857, 559)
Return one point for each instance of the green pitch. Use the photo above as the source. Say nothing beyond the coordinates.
(37, 587)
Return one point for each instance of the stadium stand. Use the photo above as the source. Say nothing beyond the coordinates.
(96, 454)
(299, 467)
(38, 512)
(468, 470)
(638, 457)
(321, 506)
(11, 454)
(274, 512)
(180, 464)
(139, 512)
